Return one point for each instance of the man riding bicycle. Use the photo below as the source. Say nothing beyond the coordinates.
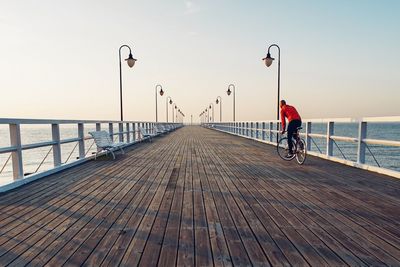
(294, 120)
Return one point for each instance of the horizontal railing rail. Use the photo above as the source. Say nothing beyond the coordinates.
(126, 131)
(267, 131)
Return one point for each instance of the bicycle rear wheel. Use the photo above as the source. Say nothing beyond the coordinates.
(283, 149)
(301, 151)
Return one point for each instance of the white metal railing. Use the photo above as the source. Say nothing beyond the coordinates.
(266, 131)
(127, 131)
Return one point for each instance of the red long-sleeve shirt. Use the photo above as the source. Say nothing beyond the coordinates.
(290, 113)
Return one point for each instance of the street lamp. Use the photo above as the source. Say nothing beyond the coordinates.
(170, 101)
(212, 107)
(131, 62)
(219, 101)
(161, 94)
(268, 62)
(174, 112)
(229, 93)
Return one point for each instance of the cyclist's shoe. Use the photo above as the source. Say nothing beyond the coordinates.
(289, 155)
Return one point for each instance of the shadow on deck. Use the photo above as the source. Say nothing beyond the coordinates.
(198, 196)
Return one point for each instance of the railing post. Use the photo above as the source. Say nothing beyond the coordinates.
(98, 128)
(128, 133)
(247, 129)
(257, 130)
(111, 130)
(362, 134)
(16, 156)
(81, 136)
(134, 131)
(271, 126)
(55, 133)
(308, 137)
(263, 134)
(251, 129)
(120, 131)
(329, 140)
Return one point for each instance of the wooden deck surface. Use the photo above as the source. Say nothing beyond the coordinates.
(201, 197)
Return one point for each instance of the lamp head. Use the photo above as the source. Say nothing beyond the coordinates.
(268, 60)
(170, 101)
(217, 101)
(229, 91)
(130, 60)
(210, 107)
(161, 92)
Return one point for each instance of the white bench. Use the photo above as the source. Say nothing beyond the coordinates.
(146, 134)
(105, 143)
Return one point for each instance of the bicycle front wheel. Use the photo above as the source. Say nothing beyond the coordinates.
(301, 151)
(283, 149)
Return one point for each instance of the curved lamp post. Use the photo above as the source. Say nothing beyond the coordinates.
(131, 62)
(219, 101)
(176, 113)
(161, 94)
(268, 62)
(229, 93)
(212, 108)
(170, 101)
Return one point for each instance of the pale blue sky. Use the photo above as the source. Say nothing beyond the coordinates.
(59, 59)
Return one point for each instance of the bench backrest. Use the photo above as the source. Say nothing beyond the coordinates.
(143, 131)
(101, 138)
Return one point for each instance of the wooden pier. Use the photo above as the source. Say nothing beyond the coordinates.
(199, 197)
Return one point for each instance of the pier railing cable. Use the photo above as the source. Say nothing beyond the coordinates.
(264, 131)
(5, 163)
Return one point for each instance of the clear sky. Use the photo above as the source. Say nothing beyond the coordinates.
(59, 59)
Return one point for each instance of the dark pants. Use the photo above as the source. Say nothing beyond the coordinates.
(291, 129)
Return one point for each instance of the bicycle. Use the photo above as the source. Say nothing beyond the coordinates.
(299, 148)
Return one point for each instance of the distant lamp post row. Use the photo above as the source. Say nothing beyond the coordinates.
(182, 115)
(268, 62)
(202, 119)
(131, 62)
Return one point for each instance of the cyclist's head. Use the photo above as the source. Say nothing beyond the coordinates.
(282, 103)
